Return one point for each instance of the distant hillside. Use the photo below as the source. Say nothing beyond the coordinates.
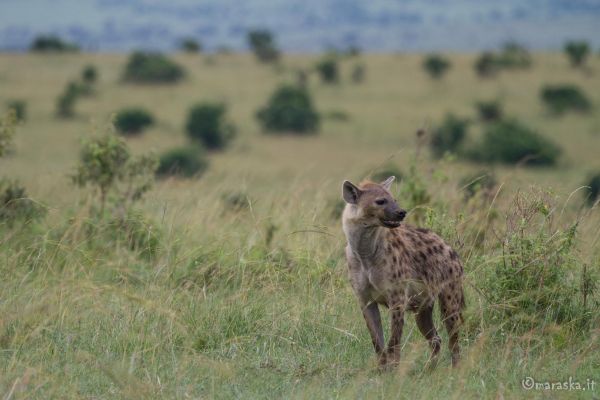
(311, 25)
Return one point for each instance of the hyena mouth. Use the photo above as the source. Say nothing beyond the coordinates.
(388, 223)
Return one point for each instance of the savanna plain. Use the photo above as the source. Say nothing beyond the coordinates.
(243, 293)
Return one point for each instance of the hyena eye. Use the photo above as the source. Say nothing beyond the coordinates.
(380, 202)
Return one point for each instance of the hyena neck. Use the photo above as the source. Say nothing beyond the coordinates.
(365, 241)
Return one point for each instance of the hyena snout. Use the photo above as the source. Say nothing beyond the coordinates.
(392, 218)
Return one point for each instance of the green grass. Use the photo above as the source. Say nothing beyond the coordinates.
(254, 302)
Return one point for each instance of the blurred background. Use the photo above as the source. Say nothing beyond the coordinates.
(312, 25)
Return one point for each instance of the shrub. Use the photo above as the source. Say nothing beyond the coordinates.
(15, 206)
(236, 201)
(152, 68)
(593, 192)
(358, 73)
(436, 65)
(51, 43)
(207, 124)
(385, 171)
(190, 45)
(448, 136)
(489, 110)
(514, 55)
(533, 279)
(486, 65)
(328, 70)
(337, 115)
(106, 164)
(577, 52)
(132, 121)
(19, 107)
(561, 98)
(7, 130)
(183, 162)
(289, 109)
(65, 103)
(263, 45)
(511, 142)
(482, 181)
(89, 75)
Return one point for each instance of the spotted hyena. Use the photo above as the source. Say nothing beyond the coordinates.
(401, 267)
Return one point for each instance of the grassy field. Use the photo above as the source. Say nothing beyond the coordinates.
(254, 302)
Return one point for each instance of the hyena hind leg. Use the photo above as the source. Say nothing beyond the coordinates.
(451, 305)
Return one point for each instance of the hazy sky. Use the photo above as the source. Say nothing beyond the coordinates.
(309, 25)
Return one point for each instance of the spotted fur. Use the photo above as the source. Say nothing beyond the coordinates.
(402, 267)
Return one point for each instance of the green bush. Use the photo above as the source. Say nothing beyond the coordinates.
(236, 201)
(89, 75)
(489, 110)
(182, 162)
(65, 104)
(577, 52)
(328, 70)
(448, 136)
(15, 206)
(19, 107)
(511, 142)
(132, 121)
(593, 192)
(562, 98)
(207, 124)
(190, 45)
(289, 109)
(385, 171)
(115, 176)
(262, 44)
(358, 73)
(534, 279)
(486, 65)
(143, 67)
(8, 123)
(52, 43)
(482, 181)
(513, 55)
(436, 65)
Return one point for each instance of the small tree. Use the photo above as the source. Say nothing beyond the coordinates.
(207, 125)
(489, 110)
(358, 73)
(511, 142)
(448, 136)
(577, 52)
(514, 55)
(593, 189)
(133, 121)
(89, 75)
(183, 162)
(52, 43)
(145, 67)
(106, 164)
(7, 131)
(190, 45)
(15, 205)
(562, 98)
(19, 107)
(289, 109)
(486, 65)
(262, 44)
(65, 103)
(328, 70)
(436, 65)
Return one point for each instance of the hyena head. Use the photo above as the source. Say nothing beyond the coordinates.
(371, 204)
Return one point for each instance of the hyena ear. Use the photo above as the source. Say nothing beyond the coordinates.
(387, 184)
(350, 192)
